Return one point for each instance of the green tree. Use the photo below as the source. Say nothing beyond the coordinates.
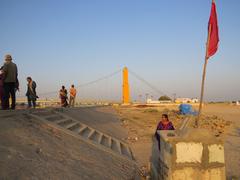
(164, 98)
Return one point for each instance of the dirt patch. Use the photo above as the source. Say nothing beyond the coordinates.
(31, 150)
(141, 123)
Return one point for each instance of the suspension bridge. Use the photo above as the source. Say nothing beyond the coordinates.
(121, 86)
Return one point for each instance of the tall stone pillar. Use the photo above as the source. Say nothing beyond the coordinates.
(125, 87)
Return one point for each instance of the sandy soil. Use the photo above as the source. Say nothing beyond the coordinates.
(232, 139)
(222, 119)
(30, 150)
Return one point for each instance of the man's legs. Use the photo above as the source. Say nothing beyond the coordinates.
(13, 95)
(34, 103)
(6, 92)
(70, 101)
(29, 102)
(73, 102)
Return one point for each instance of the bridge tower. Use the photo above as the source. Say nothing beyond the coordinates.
(125, 87)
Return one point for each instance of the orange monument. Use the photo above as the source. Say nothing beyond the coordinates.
(125, 89)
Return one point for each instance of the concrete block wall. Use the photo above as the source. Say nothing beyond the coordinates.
(195, 155)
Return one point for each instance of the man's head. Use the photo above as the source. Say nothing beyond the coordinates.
(8, 58)
(72, 86)
(29, 79)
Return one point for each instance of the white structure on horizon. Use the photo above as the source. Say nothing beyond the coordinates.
(186, 100)
(150, 101)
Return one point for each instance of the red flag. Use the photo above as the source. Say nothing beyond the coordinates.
(213, 38)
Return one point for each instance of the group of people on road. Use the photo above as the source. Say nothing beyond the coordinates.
(9, 85)
(63, 94)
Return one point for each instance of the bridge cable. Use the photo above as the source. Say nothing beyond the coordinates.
(85, 84)
(100, 79)
(146, 83)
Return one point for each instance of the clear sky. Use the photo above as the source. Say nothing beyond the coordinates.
(76, 41)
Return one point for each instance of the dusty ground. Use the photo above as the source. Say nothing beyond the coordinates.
(223, 120)
(232, 140)
(30, 150)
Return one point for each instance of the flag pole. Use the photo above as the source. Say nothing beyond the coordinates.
(203, 78)
(212, 28)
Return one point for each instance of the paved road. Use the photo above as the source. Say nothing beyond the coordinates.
(29, 149)
(103, 119)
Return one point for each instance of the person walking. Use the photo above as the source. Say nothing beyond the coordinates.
(73, 93)
(31, 93)
(63, 96)
(10, 82)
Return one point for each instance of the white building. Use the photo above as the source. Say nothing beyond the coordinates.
(150, 101)
(186, 100)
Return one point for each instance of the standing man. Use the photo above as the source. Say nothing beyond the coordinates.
(31, 93)
(10, 82)
(73, 93)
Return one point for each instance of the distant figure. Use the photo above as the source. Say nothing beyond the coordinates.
(73, 93)
(10, 82)
(164, 124)
(63, 96)
(31, 93)
(1, 86)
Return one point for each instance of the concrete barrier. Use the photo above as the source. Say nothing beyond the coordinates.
(195, 154)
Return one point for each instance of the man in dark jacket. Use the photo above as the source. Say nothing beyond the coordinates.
(31, 93)
(10, 82)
